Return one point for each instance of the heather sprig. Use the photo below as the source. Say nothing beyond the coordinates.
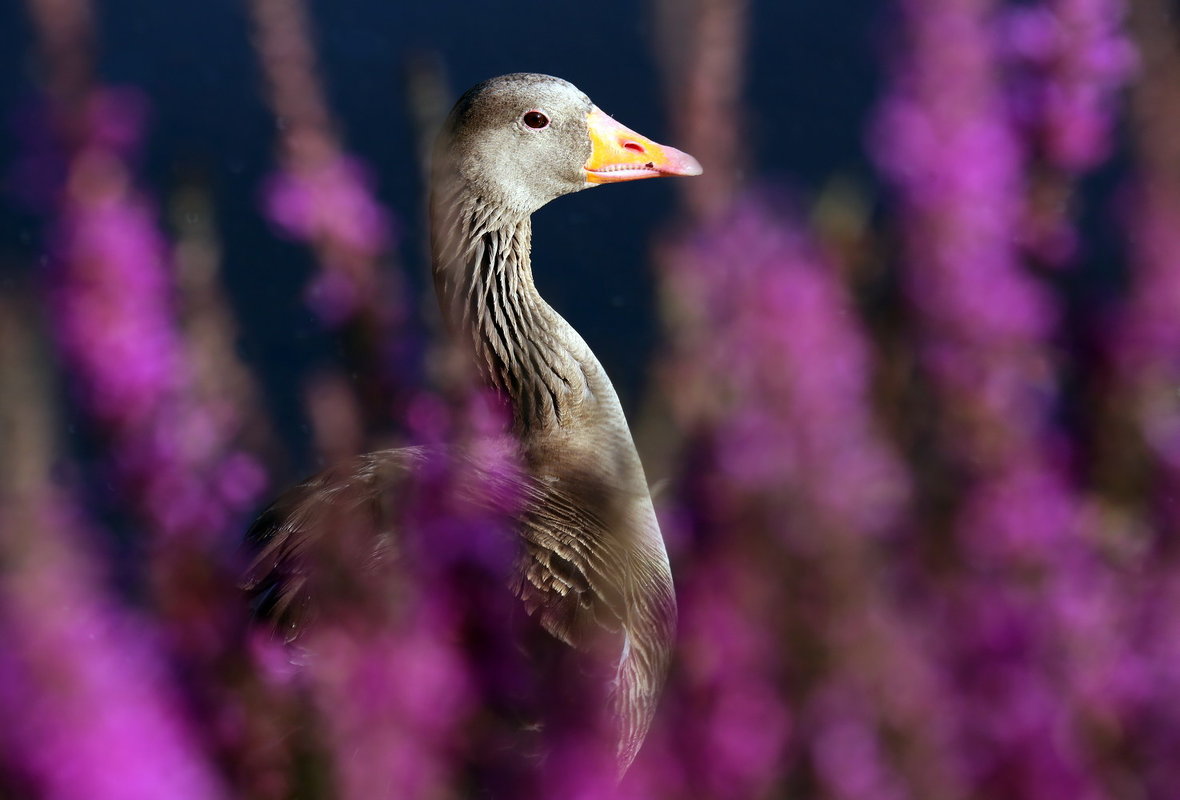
(984, 328)
(111, 286)
(1065, 64)
(90, 708)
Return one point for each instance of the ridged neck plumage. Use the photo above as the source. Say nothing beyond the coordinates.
(597, 512)
(521, 346)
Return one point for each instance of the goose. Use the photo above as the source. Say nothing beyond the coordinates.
(592, 559)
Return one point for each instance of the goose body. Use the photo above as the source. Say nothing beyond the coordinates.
(592, 558)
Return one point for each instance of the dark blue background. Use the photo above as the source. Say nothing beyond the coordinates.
(812, 76)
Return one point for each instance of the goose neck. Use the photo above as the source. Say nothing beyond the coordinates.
(522, 348)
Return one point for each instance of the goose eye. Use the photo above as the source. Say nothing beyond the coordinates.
(535, 119)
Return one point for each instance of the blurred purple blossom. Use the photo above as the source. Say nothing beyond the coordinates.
(169, 456)
(771, 374)
(88, 704)
(765, 306)
(1145, 341)
(1072, 60)
(1019, 519)
(1149, 341)
(1065, 64)
(392, 704)
(847, 749)
(321, 195)
(112, 120)
(324, 197)
(330, 205)
(333, 201)
(1144, 345)
(945, 610)
(114, 298)
(945, 144)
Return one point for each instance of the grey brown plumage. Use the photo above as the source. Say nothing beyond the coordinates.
(592, 564)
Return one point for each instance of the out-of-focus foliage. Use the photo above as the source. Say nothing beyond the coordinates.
(920, 490)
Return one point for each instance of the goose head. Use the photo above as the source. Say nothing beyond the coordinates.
(521, 140)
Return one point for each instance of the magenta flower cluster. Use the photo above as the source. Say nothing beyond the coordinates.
(331, 205)
(114, 308)
(923, 550)
(1072, 59)
(1064, 64)
(90, 707)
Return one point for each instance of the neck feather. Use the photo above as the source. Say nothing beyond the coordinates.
(521, 346)
(593, 494)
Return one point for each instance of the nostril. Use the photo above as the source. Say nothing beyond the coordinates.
(634, 146)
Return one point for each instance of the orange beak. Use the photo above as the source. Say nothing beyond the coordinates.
(621, 154)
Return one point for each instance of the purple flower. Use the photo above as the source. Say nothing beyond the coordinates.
(330, 206)
(1072, 60)
(1066, 63)
(392, 705)
(1147, 342)
(88, 706)
(115, 315)
(945, 143)
(984, 329)
(794, 477)
(321, 195)
(332, 200)
(847, 749)
(781, 331)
